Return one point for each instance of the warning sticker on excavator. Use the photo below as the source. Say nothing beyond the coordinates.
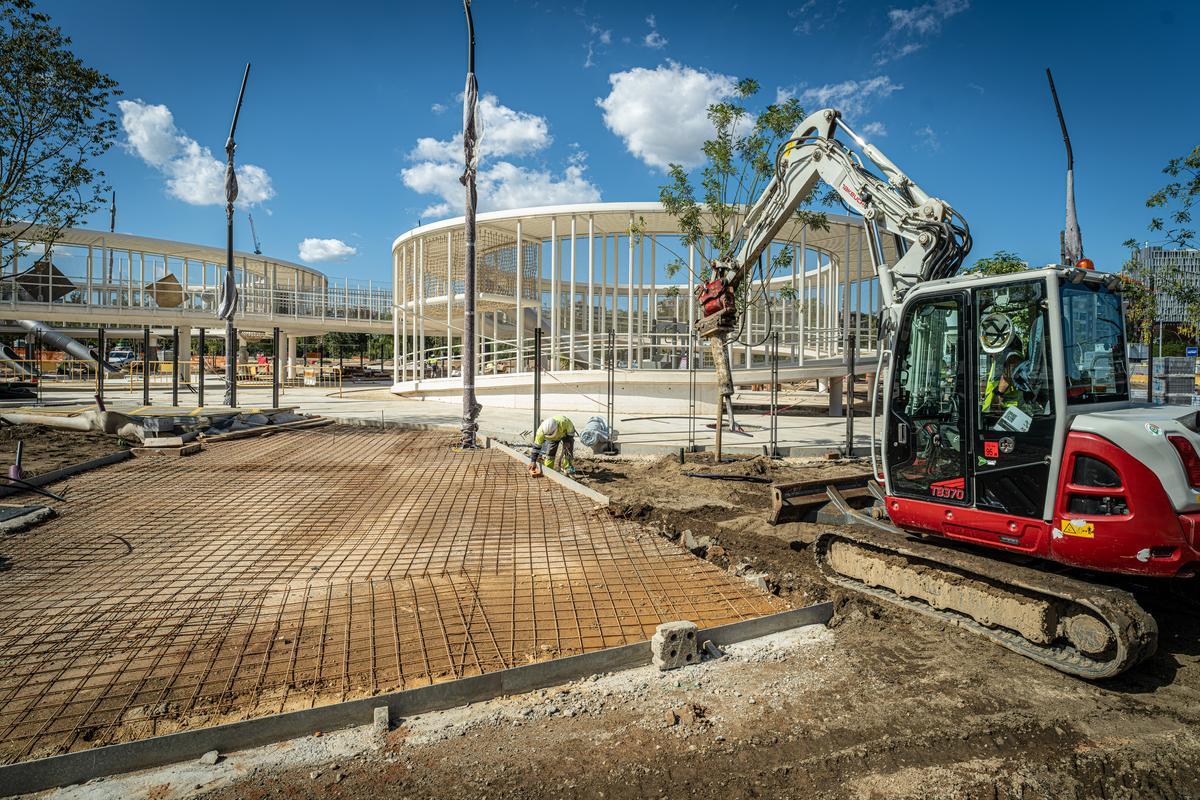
(1079, 527)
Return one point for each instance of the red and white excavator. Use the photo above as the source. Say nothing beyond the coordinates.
(1010, 448)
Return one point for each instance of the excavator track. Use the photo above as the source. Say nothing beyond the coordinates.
(1073, 626)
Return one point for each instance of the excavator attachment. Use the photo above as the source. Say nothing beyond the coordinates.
(1076, 627)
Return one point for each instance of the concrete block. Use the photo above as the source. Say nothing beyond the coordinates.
(382, 722)
(757, 579)
(675, 645)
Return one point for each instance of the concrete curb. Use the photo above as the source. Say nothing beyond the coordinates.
(555, 477)
(72, 768)
(57, 475)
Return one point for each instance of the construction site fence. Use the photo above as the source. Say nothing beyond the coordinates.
(660, 350)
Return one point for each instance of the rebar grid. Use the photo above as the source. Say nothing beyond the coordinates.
(304, 568)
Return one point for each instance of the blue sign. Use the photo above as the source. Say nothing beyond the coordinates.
(1193, 352)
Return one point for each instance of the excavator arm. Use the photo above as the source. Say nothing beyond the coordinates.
(937, 237)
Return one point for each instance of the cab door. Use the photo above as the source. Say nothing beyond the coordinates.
(1014, 398)
(928, 441)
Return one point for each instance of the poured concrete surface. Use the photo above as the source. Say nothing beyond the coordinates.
(301, 568)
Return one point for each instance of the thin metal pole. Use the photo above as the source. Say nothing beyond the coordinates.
(100, 359)
(145, 365)
(849, 398)
(275, 368)
(230, 287)
(691, 360)
(174, 367)
(200, 388)
(774, 395)
(612, 378)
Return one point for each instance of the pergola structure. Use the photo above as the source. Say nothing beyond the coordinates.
(583, 277)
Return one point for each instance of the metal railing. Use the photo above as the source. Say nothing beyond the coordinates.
(371, 303)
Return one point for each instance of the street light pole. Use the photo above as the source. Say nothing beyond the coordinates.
(229, 294)
(471, 408)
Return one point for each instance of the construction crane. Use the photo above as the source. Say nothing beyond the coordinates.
(1010, 448)
(254, 235)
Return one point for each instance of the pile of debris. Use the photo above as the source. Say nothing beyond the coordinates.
(167, 430)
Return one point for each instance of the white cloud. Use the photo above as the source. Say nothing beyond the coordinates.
(927, 139)
(908, 26)
(438, 108)
(873, 130)
(662, 114)
(852, 98)
(598, 39)
(504, 132)
(924, 19)
(507, 134)
(314, 250)
(193, 174)
(815, 15)
(654, 40)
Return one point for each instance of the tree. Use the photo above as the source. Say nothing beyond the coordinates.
(1002, 262)
(1177, 199)
(55, 117)
(740, 160)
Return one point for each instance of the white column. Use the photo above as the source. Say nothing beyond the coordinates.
(603, 288)
(421, 306)
(844, 328)
(653, 296)
(396, 288)
(554, 293)
(185, 352)
(571, 303)
(802, 320)
(449, 297)
(629, 300)
(519, 323)
(641, 301)
(591, 301)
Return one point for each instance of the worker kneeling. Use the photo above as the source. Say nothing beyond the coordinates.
(550, 435)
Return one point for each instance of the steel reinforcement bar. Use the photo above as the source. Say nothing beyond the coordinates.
(77, 767)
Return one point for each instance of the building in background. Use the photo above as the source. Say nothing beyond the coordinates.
(1184, 263)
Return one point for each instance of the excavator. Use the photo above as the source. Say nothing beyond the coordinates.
(1013, 472)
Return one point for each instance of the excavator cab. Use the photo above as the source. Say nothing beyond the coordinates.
(983, 370)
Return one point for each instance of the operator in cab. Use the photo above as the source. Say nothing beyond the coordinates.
(1001, 391)
(552, 433)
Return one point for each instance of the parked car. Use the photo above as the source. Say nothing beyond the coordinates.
(120, 356)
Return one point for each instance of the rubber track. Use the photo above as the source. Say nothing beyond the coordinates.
(1135, 631)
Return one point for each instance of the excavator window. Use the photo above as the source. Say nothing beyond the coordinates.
(1094, 341)
(1014, 430)
(927, 419)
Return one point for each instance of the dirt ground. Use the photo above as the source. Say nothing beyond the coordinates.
(882, 705)
(47, 449)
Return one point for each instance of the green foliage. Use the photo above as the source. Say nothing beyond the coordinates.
(739, 162)
(1002, 262)
(1177, 199)
(1138, 292)
(55, 118)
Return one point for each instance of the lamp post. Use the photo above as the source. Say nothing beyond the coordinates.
(471, 408)
(229, 294)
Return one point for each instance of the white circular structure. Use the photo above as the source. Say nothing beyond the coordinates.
(598, 292)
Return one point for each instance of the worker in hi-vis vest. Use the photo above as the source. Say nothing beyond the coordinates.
(550, 434)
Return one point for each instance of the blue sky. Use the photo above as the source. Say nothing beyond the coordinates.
(349, 115)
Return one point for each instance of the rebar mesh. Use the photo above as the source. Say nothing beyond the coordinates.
(309, 567)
